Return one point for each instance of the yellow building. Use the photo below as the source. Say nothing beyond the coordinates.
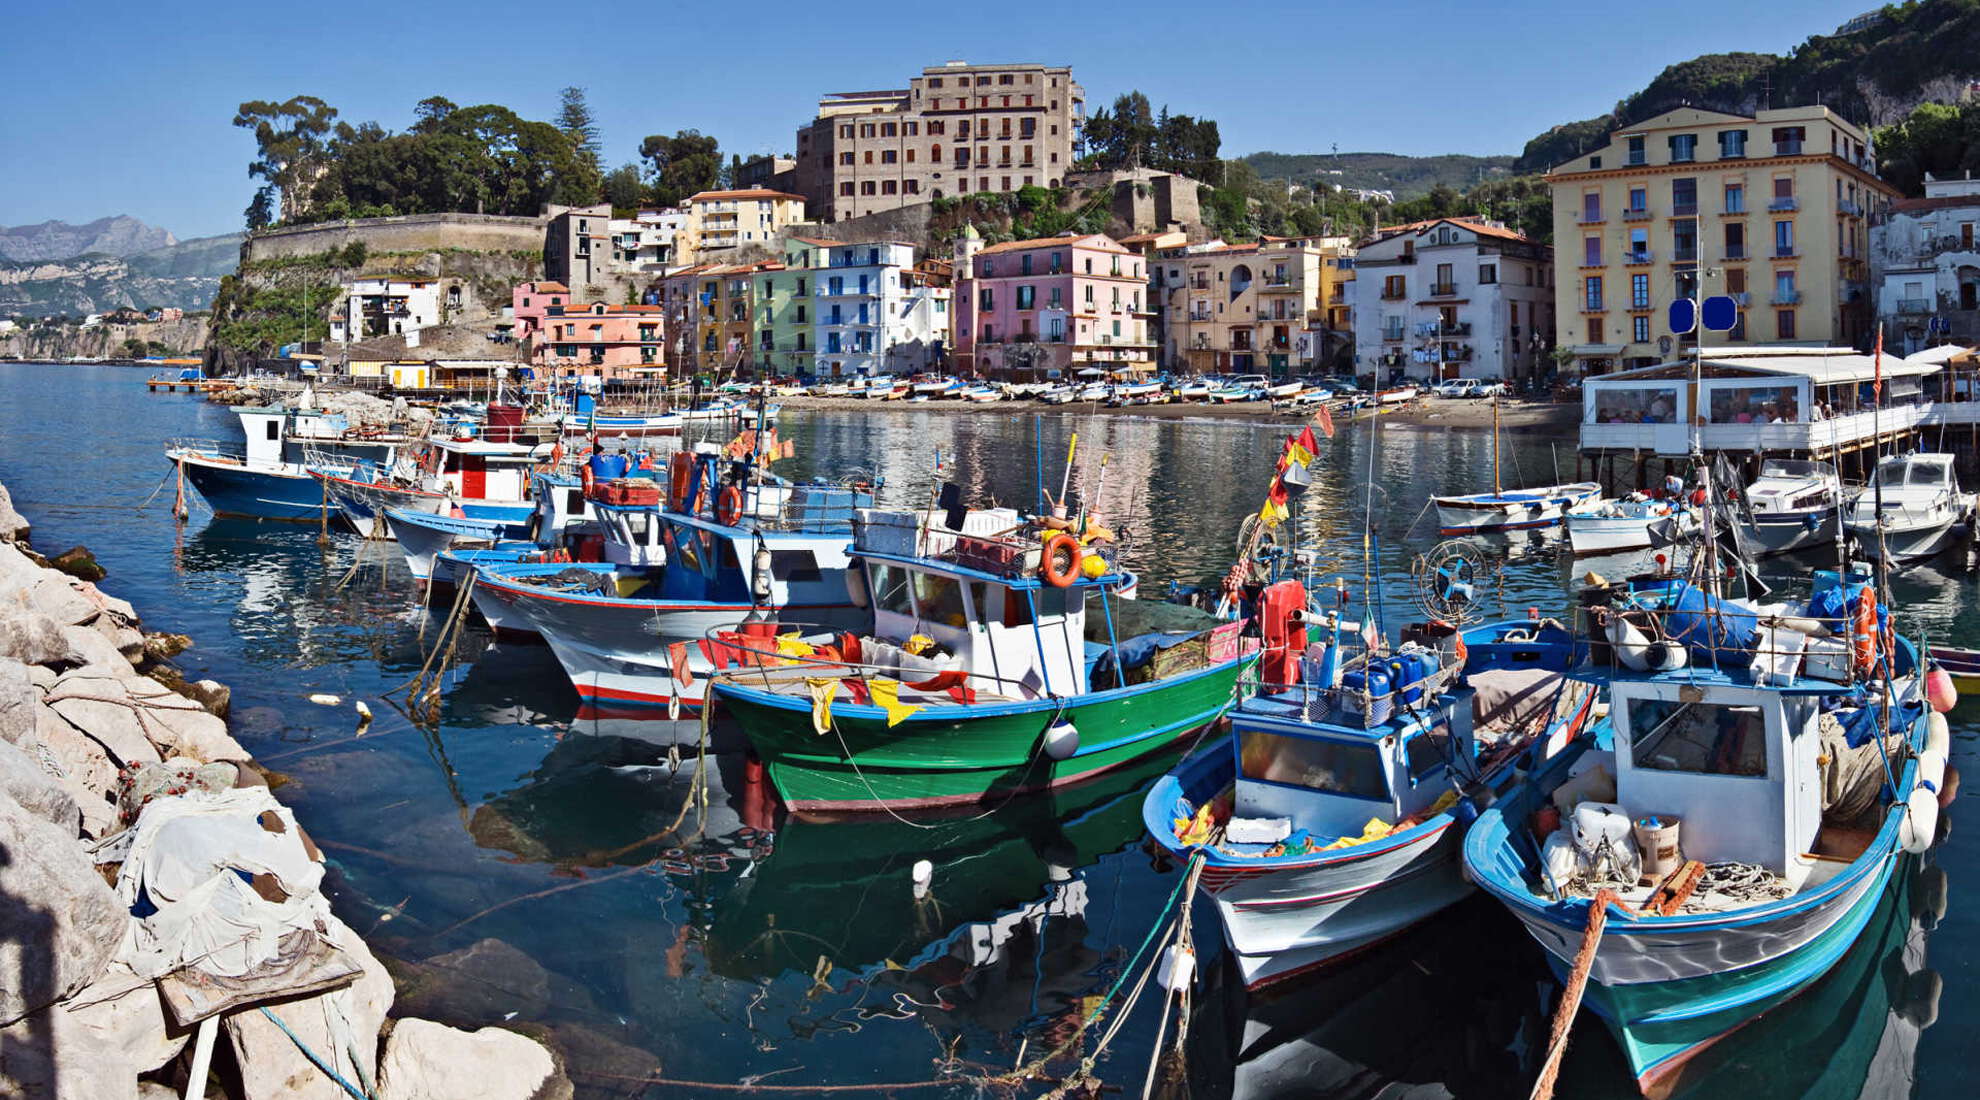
(1772, 210)
(719, 222)
(1248, 308)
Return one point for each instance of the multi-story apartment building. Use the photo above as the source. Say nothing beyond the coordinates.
(1261, 307)
(577, 244)
(596, 340)
(1925, 259)
(644, 244)
(1452, 297)
(955, 129)
(1050, 306)
(385, 306)
(875, 311)
(1150, 247)
(719, 222)
(1770, 209)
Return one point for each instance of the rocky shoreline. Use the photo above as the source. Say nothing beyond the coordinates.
(163, 931)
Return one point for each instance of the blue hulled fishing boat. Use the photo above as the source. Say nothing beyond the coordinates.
(265, 476)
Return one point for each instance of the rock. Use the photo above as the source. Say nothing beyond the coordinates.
(94, 651)
(128, 641)
(26, 780)
(178, 726)
(42, 677)
(87, 1051)
(61, 922)
(103, 709)
(164, 647)
(34, 638)
(17, 701)
(272, 1067)
(213, 696)
(428, 1061)
(13, 526)
(79, 563)
(87, 773)
(24, 584)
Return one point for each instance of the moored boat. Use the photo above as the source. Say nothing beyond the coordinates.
(1633, 523)
(477, 479)
(264, 476)
(1912, 509)
(1794, 504)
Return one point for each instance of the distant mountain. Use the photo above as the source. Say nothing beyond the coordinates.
(1873, 71)
(122, 235)
(1408, 177)
(185, 274)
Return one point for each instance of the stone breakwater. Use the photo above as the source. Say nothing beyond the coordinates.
(161, 915)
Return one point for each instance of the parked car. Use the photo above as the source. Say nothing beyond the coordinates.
(1486, 388)
(1455, 387)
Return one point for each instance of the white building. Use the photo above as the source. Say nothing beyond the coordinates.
(645, 243)
(386, 306)
(874, 312)
(1450, 298)
(1925, 264)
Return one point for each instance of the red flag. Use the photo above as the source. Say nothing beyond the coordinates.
(1326, 421)
(1877, 387)
(1306, 439)
(1277, 493)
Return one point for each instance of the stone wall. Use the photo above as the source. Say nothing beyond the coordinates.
(1146, 200)
(909, 224)
(408, 233)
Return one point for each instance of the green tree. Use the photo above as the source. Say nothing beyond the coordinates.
(289, 146)
(1935, 139)
(431, 113)
(574, 118)
(623, 187)
(681, 165)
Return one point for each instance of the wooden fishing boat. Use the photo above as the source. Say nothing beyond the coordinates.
(265, 476)
(978, 674)
(1756, 785)
(477, 479)
(1507, 510)
(561, 514)
(1611, 526)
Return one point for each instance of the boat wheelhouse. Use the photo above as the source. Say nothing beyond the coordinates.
(1794, 504)
(480, 479)
(264, 476)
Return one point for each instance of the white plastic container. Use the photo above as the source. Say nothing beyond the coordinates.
(1595, 822)
(1827, 659)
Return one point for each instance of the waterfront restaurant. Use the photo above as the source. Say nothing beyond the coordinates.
(1812, 402)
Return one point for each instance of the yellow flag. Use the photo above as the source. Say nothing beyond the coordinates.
(887, 695)
(822, 690)
(1297, 455)
(789, 645)
(1272, 514)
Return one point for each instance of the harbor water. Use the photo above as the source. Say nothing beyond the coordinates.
(518, 863)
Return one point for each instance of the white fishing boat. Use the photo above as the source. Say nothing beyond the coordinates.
(1507, 510)
(1196, 389)
(1795, 503)
(1911, 509)
(981, 394)
(468, 477)
(1285, 389)
(1632, 523)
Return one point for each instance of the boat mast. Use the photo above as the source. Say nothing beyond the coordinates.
(1496, 490)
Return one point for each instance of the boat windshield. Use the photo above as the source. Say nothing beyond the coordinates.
(1336, 767)
(1714, 739)
(1895, 472)
(1795, 468)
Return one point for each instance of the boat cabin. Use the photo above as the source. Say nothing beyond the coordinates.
(1330, 778)
(705, 560)
(1735, 764)
(479, 470)
(275, 435)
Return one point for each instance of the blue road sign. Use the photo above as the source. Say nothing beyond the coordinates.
(1684, 315)
(1719, 313)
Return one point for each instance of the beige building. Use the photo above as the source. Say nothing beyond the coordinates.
(956, 129)
(1772, 210)
(719, 222)
(1249, 308)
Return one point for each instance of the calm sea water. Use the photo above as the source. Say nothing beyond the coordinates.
(519, 864)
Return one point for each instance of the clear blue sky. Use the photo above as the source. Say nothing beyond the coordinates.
(127, 108)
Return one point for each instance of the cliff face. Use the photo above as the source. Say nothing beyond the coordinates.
(54, 342)
(183, 274)
(122, 235)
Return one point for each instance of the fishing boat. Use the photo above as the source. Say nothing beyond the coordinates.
(1136, 393)
(936, 386)
(1912, 509)
(1795, 503)
(1756, 781)
(617, 424)
(1635, 522)
(1095, 391)
(265, 476)
(980, 672)
(477, 479)
(1285, 389)
(1396, 395)
(562, 512)
(628, 629)
(1196, 389)
(981, 394)
(1506, 510)
(1330, 819)
(1059, 395)
(1963, 665)
(878, 385)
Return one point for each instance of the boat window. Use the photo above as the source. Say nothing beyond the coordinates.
(1710, 738)
(1795, 467)
(942, 599)
(1890, 473)
(639, 527)
(1336, 767)
(1928, 473)
(1427, 751)
(574, 501)
(890, 590)
(794, 565)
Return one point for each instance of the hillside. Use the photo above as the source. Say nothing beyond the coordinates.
(121, 235)
(1408, 177)
(1917, 52)
(185, 274)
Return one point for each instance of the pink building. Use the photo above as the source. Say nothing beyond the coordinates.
(531, 302)
(1051, 307)
(608, 341)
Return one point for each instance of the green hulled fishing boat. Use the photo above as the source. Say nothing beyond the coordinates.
(995, 662)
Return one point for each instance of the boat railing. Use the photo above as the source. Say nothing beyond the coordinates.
(763, 654)
(211, 448)
(1778, 650)
(1356, 705)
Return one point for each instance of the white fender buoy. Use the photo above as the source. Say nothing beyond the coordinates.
(1938, 735)
(1631, 645)
(1667, 655)
(922, 874)
(1932, 771)
(1061, 740)
(1921, 819)
(1178, 970)
(1921, 998)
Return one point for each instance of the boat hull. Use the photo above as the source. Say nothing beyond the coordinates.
(1899, 544)
(423, 543)
(956, 755)
(1784, 532)
(1609, 534)
(233, 488)
(1509, 511)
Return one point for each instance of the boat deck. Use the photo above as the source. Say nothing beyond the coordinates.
(791, 680)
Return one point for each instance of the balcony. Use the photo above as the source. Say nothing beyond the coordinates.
(1734, 252)
(1741, 298)
(1784, 252)
(1636, 213)
(1635, 160)
(1684, 209)
(1734, 210)
(1393, 294)
(1442, 290)
(1392, 335)
(1278, 282)
(1684, 256)
(1787, 148)
(1592, 217)
(1786, 204)
(1643, 257)
(1787, 297)
(1921, 306)
(1593, 305)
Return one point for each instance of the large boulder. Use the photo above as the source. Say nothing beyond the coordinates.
(28, 781)
(179, 726)
(34, 638)
(272, 1067)
(428, 1061)
(79, 563)
(60, 923)
(86, 1048)
(13, 526)
(103, 708)
(92, 650)
(87, 772)
(18, 698)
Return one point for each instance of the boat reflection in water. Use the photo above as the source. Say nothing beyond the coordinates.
(1452, 1009)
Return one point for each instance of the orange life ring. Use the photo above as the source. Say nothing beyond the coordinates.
(1864, 635)
(680, 471)
(728, 506)
(1060, 566)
